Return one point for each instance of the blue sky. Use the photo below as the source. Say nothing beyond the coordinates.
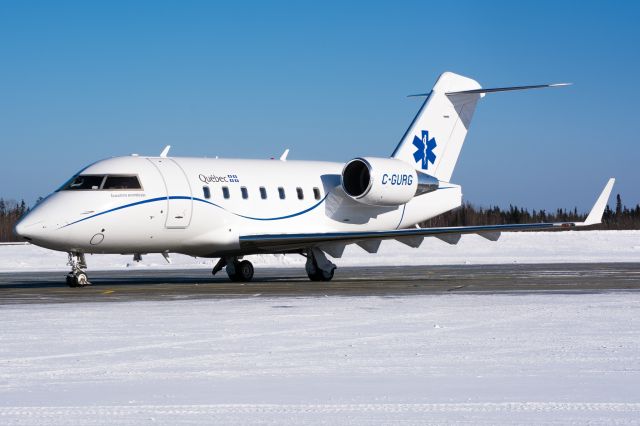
(80, 81)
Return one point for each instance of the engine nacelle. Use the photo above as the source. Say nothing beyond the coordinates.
(384, 181)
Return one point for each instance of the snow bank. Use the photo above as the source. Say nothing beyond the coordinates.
(513, 247)
(476, 359)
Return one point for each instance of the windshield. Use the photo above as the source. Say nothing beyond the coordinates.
(102, 182)
(85, 182)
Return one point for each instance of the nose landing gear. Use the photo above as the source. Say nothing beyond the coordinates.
(77, 277)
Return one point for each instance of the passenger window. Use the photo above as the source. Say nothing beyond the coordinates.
(281, 192)
(121, 182)
(316, 193)
(225, 192)
(300, 193)
(245, 193)
(207, 192)
(263, 193)
(85, 182)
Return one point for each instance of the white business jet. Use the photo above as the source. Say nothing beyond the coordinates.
(231, 208)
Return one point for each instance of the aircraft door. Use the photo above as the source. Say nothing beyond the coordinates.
(180, 198)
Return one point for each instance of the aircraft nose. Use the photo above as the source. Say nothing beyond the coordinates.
(26, 230)
(19, 229)
(31, 226)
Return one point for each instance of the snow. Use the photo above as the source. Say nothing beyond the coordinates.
(520, 247)
(473, 358)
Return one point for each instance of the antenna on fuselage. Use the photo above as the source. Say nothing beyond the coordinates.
(283, 157)
(165, 151)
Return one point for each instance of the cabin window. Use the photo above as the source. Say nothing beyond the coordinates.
(207, 192)
(245, 193)
(281, 192)
(263, 193)
(300, 193)
(316, 193)
(121, 182)
(84, 182)
(225, 192)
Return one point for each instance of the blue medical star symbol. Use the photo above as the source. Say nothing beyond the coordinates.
(424, 152)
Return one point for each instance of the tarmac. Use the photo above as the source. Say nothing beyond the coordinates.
(169, 284)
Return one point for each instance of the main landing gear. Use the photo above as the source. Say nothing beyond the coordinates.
(77, 277)
(318, 267)
(237, 270)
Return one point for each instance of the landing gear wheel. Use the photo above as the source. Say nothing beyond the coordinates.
(81, 279)
(241, 271)
(319, 275)
(77, 279)
(71, 282)
(315, 272)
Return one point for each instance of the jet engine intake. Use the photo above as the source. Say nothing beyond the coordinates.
(384, 181)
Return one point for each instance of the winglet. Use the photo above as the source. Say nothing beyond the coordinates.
(165, 151)
(595, 216)
(283, 157)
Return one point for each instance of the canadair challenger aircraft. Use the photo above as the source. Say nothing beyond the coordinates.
(230, 208)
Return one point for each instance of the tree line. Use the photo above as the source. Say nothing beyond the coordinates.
(621, 217)
(10, 212)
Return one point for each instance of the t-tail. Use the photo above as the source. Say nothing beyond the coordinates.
(433, 141)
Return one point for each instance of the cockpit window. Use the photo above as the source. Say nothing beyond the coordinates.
(122, 182)
(103, 182)
(85, 182)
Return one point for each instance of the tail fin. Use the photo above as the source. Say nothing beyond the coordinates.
(434, 139)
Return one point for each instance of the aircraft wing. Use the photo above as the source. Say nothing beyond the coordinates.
(269, 243)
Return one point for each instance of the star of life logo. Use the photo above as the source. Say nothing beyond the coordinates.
(424, 150)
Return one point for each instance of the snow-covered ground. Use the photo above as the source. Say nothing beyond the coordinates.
(476, 359)
(520, 247)
(433, 359)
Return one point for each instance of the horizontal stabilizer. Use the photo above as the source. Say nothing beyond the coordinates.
(507, 89)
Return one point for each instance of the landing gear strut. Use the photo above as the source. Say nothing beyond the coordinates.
(237, 270)
(318, 267)
(77, 277)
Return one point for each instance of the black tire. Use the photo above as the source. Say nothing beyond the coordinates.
(318, 275)
(233, 277)
(245, 271)
(71, 281)
(329, 276)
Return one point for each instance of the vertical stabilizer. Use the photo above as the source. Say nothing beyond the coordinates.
(435, 137)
